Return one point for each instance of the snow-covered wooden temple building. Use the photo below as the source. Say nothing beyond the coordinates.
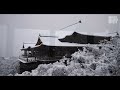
(47, 49)
(50, 48)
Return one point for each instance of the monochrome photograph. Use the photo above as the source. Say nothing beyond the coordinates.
(59, 45)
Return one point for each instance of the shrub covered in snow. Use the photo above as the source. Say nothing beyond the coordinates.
(60, 71)
(9, 66)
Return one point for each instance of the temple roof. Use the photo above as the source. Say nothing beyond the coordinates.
(52, 41)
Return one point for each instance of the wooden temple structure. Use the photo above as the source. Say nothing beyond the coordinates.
(51, 48)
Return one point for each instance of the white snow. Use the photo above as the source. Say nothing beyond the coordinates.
(50, 41)
(29, 45)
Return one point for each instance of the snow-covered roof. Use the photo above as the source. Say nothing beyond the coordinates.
(63, 34)
(31, 45)
(102, 34)
(50, 41)
(53, 41)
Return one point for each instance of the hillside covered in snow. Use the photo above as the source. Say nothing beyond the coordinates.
(9, 66)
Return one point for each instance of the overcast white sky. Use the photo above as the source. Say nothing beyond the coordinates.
(18, 28)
